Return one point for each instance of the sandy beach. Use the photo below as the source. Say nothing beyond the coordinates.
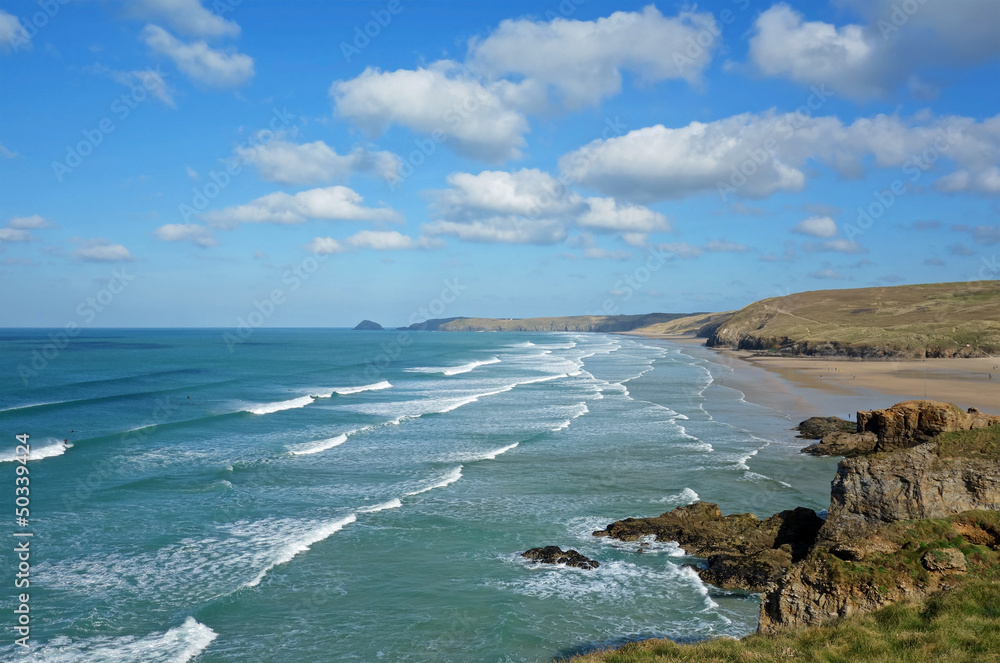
(824, 386)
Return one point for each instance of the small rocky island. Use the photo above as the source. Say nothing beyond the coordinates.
(914, 510)
(368, 325)
(556, 555)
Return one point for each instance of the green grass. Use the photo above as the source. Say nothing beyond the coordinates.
(961, 625)
(977, 443)
(937, 319)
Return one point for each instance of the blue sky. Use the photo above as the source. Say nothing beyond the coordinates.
(186, 163)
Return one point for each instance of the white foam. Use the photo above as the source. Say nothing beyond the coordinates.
(268, 408)
(448, 479)
(472, 457)
(318, 446)
(344, 391)
(456, 370)
(561, 426)
(391, 504)
(178, 645)
(47, 449)
(302, 544)
(686, 496)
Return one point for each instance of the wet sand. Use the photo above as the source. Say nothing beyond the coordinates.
(825, 386)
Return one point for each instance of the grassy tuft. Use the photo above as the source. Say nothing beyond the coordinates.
(961, 625)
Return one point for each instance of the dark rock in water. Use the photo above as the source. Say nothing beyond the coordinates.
(555, 555)
(815, 428)
(743, 552)
(368, 325)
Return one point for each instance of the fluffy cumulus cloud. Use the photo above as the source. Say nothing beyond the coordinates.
(102, 250)
(200, 62)
(335, 203)
(441, 100)
(582, 61)
(186, 232)
(531, 207)
(376, 240)
(817, 226)
(478, 107)
(313, 163)
(607, 214)
(756, 155)
(185, 16)
(891, 49)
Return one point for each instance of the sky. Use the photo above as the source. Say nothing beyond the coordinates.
(185, 163)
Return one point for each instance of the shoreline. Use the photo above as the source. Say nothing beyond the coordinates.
(823, 386)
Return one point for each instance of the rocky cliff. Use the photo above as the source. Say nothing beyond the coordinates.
(910, 515)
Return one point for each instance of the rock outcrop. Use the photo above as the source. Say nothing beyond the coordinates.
(741, 550)
(815, 428)
(368, 325)
(915, 512)
(871, 492)
(556, 555)
(910, 423)
(902, 426)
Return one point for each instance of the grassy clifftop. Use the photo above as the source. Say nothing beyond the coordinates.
(931, 320)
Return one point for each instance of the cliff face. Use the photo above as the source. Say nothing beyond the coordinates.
(870, 492)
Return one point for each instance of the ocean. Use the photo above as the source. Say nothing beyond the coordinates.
(308, 495)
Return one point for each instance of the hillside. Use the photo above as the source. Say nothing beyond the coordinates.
(576, 323)
(930, 320)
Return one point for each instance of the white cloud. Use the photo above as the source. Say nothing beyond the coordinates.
(986, 181)
(502, 230)
(199, 61)
(657, 163)
(606, 214)
(725, 246)
(331, 203)
(13, 36)
(15, 235)
(817, 226)
(442, 98)
(530, 206)
(186, 232)
(526, 192)
(33, 222)
(874, 59)
(186, 16)
(101, 250)
(7, 154)
(311, 163)
(377, 240)
(583, 61)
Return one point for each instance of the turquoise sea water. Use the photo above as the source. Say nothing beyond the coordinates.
(326, 495)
